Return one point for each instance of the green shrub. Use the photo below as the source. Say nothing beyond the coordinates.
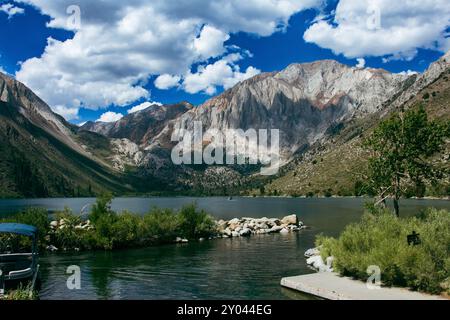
(381, 239)
(327, 246)
(101, 209)
(195, 224)
(161, 225)
(22, 293)
(103, 219)
(110, 230)
(126, 230)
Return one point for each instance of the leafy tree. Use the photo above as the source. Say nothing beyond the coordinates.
(402, 148)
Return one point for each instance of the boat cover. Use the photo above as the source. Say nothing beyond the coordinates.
(17, 228)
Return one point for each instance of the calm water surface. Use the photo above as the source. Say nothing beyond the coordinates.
(244, 268)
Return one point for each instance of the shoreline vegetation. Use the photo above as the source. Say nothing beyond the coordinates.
(407, 154)
(104, 229)
(22, 293)
(381, 239)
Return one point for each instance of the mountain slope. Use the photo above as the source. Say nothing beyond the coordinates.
(302, 101)
(337, 165)
(322, 110)
(40, 155)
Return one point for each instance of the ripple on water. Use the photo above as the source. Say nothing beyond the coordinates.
(242, 268)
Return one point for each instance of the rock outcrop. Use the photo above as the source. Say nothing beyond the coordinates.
(142, 126)
(315, 260)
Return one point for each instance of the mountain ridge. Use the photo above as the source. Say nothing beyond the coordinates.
(308, 102)
(42, 155)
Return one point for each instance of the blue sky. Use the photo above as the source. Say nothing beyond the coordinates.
(72, 71)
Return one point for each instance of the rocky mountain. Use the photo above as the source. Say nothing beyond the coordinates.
(302, 101)
(141, 126)
(31, 107)
(42, 155)
(421, 81)
(336, 165)
(309, 103)
(320, 108)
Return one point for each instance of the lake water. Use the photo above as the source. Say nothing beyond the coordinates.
(243, 268)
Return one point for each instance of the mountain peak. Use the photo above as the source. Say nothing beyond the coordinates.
(317, 64)
(7, 83)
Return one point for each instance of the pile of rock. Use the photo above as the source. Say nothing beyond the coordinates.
(181, 240)
(315, 261)
(59, 226)
(64, 223)
(246, 227)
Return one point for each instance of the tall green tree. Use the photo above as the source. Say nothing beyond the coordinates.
(402, 148)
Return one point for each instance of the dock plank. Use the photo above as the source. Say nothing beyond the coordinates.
(331, 286)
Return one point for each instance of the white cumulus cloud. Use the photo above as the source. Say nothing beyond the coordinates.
(210, 42)
(11, 10)
(67, 112)
(121, 44)
(395, 29)
(110, 117)
(143, 106)
(221, 73)
(167, 81)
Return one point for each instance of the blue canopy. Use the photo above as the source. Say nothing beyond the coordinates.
(18, 228)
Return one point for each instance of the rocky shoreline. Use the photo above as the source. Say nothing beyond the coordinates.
(243, 227)
(315, 261)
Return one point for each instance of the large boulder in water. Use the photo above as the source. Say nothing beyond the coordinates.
(290, 220)
(275, 229)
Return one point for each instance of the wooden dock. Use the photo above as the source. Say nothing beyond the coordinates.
(331, 286)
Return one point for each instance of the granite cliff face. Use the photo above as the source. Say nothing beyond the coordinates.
(302, 101)
(140, 127)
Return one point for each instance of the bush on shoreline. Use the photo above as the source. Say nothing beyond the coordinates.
(22, 293)
(108, 230)
(195, 224)
(381, 239)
